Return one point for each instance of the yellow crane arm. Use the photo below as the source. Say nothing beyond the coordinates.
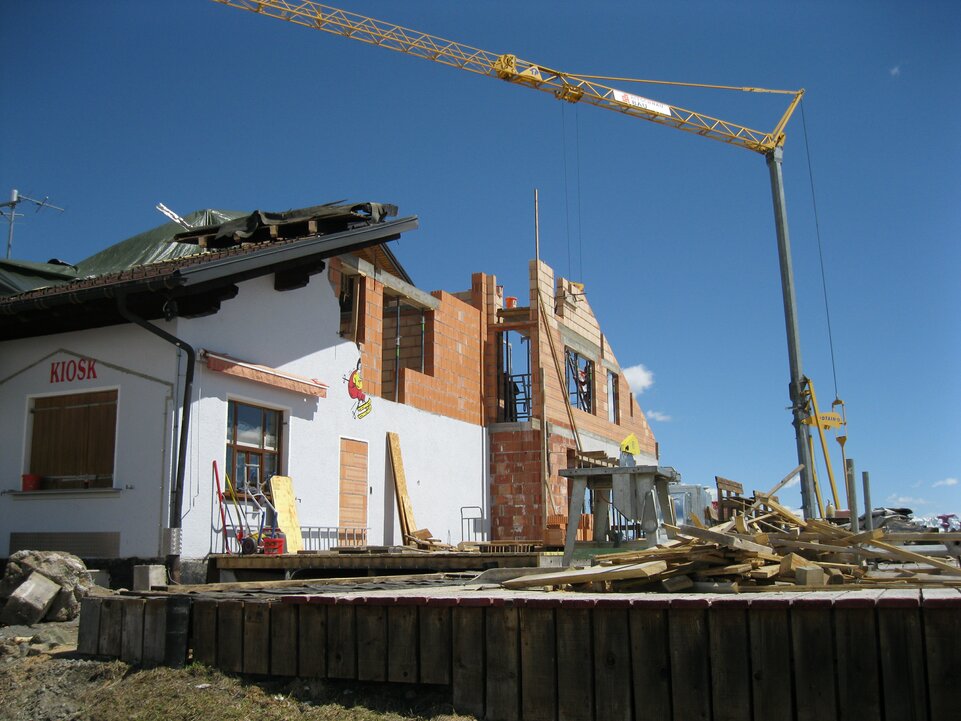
(564, 86)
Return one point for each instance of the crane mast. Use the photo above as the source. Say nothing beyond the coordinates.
(582, 88)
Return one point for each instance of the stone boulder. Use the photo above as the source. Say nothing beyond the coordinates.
(64, 569)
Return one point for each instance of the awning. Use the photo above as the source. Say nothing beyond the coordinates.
(264, 374)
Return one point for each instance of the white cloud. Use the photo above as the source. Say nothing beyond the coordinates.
(895, 71)
(897, 500)
(639, 378)
(794, 481)
(658, 416)
(946, 482)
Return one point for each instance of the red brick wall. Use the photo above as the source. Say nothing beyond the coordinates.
(517, 510)
(451, 382)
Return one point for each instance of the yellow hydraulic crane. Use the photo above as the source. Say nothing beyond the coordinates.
(587, 88)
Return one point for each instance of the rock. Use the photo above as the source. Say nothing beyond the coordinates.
(64, 569)
(29, 603)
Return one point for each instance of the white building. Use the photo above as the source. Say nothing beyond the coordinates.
(125, 380)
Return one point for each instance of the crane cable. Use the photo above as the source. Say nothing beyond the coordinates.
(567, 202)
(817, 229)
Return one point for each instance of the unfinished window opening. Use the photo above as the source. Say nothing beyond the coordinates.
(580, 380)
(613, 398)
(348, 306)
(514, 389)
(253, 446)
(72, 440)
(404, 327)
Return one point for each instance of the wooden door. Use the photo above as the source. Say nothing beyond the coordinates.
(353, 493)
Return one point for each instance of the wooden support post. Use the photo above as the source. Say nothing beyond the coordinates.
(371, 642)
(772, 683)
(731, 659)
(689, 647)
(434, 633)
(813, 653)
(402, 644)
(538, 664)
(856, 648)
(88, 634)
(341, 641)
(230, 636)
(256, 637)
(503, 683)
(283, 639)
(468, 643)
(131, 644)
(650, 661)
(203, 635)
(612, 663)
(942, 629)
(902, 656)
(111, 620)
(154, 632)
(312, 646)
(575, 682)
(178, 632)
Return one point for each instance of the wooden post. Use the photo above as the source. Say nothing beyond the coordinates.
(468, 659)
(131, 645)
(402, 644)
(203, 634)
(503, 663)
(312, 640)
(689, 646)
(730, 659)
(538, 662)
(434, 634)
(283, 639)
(371, 642)
(575, 677)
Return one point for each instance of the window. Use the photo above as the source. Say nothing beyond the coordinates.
(253, 445)
(580, 381)
(348, 306)
(72, 440)
(613, 399)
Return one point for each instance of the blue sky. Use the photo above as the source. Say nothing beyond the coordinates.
(111, 107)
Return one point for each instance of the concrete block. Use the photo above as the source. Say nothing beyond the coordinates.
(809, 576)
(29, 603)
(146, 577)
(99, 578)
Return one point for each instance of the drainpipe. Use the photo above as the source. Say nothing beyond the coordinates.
(176, 501)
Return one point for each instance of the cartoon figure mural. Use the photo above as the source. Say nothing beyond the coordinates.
(355, 389)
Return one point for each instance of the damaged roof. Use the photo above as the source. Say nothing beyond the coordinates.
(168, 272)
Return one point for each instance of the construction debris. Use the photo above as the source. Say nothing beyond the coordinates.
(764, 548)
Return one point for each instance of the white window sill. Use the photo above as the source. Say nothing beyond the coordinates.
(64, 493)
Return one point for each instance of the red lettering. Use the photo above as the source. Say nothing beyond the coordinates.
(91, 368)
(55, 376)
(71, 371)
(82, 369)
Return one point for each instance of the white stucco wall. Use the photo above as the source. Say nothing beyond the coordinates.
(296, 331)
(142, 370)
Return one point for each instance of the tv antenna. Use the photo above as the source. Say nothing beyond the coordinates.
(9, 209)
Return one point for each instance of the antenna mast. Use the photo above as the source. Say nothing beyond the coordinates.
(15, 200)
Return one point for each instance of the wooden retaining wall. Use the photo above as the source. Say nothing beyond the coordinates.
(859, 655)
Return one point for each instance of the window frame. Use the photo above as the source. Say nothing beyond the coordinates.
(613, 398)
(233, 448)
(85, 476)
(583, 400)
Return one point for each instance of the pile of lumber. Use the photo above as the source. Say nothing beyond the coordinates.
(770, 549)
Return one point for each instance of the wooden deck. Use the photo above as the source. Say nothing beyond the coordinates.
(883, 654)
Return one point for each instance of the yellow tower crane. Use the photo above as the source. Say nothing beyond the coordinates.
(587, 88)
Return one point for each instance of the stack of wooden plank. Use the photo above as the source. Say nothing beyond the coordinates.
(768, 549)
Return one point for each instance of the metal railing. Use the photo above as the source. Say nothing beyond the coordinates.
(316, 538)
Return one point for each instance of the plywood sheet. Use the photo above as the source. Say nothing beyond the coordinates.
(282, 489)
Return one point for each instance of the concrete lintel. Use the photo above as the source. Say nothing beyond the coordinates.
(533, 424)
(352, 265)
(579, 343)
